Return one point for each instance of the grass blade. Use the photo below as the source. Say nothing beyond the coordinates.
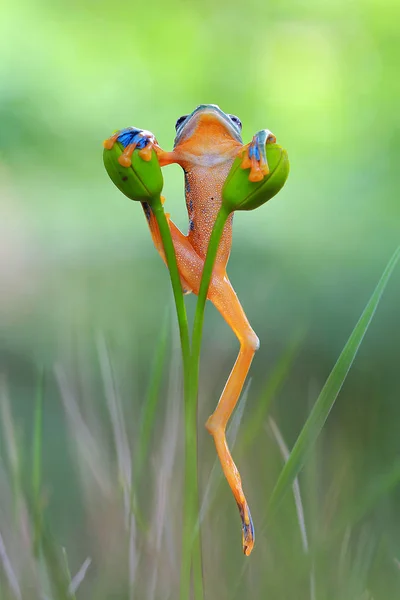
(9, 571)
(296, 487)
(11, 443)
(121, 442)
(329, 393)
(297, 499)
(37, 463)
(149, 410)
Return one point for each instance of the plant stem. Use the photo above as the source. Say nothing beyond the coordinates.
(169, 249)
(191, 552)
(191, 542)
(194, 385)
(191, 501)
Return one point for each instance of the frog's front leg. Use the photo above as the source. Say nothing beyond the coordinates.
(132, 138)
(254, 156)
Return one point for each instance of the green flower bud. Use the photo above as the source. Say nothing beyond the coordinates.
(141, 181)
(239, 193)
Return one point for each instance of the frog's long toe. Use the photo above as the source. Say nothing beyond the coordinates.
(248, 536)
(132, 138)
(254, 156)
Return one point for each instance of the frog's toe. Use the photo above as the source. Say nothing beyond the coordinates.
(254, 156)
(248, 535)
(131, 139)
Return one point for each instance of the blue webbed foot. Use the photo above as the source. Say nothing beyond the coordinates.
(132, 138)
(248, 534)
(255, 157)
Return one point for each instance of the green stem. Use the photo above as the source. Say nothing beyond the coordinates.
(191, 501)
(191, 551)
(169, 249)
(191, 542)
(213, 246)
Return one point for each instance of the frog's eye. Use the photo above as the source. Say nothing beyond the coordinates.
(236, 120)
(180, 121)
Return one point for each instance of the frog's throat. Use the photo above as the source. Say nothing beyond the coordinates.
(188, 127)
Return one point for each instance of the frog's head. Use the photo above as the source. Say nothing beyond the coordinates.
(207, 128)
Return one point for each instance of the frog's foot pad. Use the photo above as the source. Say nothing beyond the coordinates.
(255, 157)
(132, 138)
(248, 536)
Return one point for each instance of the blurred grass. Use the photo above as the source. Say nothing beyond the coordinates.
(76, 259)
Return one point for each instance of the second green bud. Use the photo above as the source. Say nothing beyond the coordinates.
(239, 193)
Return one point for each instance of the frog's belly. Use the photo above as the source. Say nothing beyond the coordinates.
(203, 200)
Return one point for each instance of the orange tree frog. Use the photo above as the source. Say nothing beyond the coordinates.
(206, 144)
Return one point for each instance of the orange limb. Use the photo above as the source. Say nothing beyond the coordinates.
(165, 158)
(224, 298)
(145, 153)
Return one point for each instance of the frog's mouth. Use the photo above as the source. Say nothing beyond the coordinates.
(204, 113)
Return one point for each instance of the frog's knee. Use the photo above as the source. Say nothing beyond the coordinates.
(253, 341)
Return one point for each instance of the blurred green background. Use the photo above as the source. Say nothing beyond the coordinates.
(79, 273)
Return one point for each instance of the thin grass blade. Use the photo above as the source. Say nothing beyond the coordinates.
(78, 579)
(115, 409)
(297, 499)
(296, 487)
(9, 571)
(329, 393)
(37, 463)
(149, 410)
(12, 447)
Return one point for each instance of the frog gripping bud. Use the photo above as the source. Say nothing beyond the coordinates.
(132, 164)
(240, 193)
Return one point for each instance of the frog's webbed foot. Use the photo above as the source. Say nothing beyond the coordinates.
(132, 138)
(145, 141)
(248, 536)
(254, 156)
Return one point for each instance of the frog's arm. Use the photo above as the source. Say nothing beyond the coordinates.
(133, 138)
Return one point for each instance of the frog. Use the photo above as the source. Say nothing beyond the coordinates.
(207, 142)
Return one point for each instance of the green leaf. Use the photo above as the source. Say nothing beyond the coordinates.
(329, 393)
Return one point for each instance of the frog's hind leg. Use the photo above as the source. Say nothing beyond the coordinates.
(224, 298)
(177, 237)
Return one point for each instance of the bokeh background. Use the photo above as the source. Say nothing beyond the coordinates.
(85, 296)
